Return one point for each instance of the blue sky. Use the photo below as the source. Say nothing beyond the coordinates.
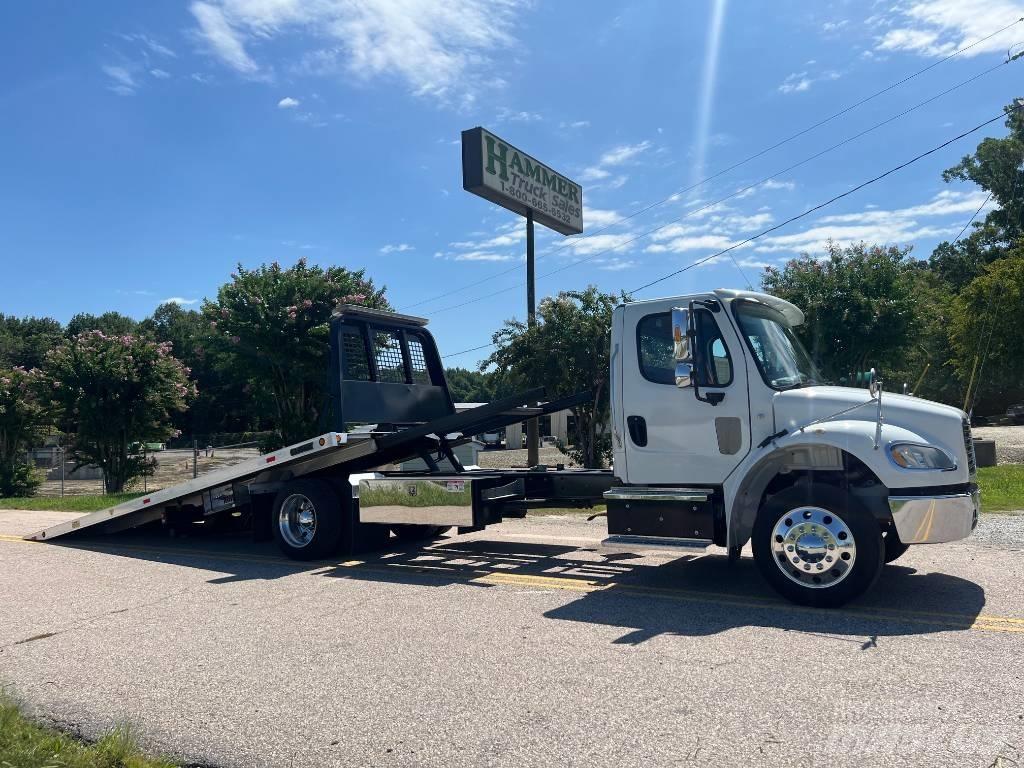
(148, 147)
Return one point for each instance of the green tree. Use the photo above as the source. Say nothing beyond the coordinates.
(25, 418)
(272, 326)
(567, 352)
(859, 304)
(111, 323)
(988, 334)
(25, 341)
(223, 402)
(114, 391)
(996, 167)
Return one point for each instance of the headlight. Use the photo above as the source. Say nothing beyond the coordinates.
(914, 456)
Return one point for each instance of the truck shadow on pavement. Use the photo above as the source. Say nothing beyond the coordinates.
(691, 595)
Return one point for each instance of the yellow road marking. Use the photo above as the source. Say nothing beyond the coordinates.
(981, 622)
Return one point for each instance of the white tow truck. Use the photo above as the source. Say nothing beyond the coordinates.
(723, 433)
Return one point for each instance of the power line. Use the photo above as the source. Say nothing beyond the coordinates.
(675, 195)
(831, 200)
(736, 193)
(971, 220)
(808, 212)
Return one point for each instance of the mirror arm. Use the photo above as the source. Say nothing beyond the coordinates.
(712, 398)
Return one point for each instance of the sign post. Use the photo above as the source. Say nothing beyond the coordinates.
(497, 171)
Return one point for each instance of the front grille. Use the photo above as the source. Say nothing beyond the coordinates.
(972, 464)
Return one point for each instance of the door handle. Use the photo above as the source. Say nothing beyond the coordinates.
(637, 430)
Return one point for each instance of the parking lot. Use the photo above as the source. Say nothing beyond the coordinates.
(521, 645)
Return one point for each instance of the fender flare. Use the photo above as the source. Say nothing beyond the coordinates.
(821, 447)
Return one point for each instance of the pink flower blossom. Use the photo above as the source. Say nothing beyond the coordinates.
(307, 303)
(213, 324)
(224, 312)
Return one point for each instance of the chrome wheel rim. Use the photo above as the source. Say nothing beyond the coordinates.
(813, 547)
(297, 521)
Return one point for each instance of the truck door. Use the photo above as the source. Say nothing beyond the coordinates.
(671, 437)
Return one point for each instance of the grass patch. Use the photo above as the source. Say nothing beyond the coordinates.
(1002, 487)
(23, 744)
(66, 503)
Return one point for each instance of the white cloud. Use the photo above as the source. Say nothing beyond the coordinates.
(624, 153)
(596, 217)
(873, 225)
(587, 245)
(615, 265)
(160, 74)
(802, 81)
(437, 49)
(593, 173)
(152, 45)
(481, 256)
(834, 26)
(222, 37)
(939, 27)
(575, 124)
(397, 248)
(288, 103)
(179, 300)
(708, 242)
(122, 79)
(773, 184)
(506, 115)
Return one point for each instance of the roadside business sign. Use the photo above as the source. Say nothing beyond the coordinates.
(496, 171)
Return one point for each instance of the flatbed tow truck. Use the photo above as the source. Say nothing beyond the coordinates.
(722, 434)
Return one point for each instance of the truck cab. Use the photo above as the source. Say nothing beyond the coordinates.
(725, 432)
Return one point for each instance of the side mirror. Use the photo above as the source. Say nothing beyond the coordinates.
(681, 347)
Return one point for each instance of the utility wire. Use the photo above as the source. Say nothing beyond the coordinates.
(737, 193)
(760, 153)
(809, 211)
(831, 200)
(973, 217)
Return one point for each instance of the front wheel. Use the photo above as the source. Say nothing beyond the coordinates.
(817, 546)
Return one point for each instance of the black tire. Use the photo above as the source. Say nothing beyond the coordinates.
(835, 528)
(419, 532)
(894, 548)
(292, 507)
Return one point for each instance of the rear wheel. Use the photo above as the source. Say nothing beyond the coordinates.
(817, 546)
(411, 532)
(306, 519)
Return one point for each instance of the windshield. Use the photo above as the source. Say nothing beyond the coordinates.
(781, 358)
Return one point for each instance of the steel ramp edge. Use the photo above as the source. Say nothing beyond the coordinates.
(289, 456)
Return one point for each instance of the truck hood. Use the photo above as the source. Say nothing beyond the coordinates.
(934, 423)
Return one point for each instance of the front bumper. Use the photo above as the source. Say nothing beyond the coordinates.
(936, 518)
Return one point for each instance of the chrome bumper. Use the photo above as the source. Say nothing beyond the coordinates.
(935, 519)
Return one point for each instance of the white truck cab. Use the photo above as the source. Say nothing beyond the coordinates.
(723, 431)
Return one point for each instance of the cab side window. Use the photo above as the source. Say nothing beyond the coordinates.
(654, 351)
(654, 348)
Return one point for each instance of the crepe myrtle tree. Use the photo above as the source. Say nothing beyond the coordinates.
(25, 417)
(567, 352)
(272, 324)
(114, 391)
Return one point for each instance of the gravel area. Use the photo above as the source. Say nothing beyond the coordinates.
(517, 458)
(1009, 442)
(1000, 530)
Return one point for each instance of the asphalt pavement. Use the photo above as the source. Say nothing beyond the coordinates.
(517, 646)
